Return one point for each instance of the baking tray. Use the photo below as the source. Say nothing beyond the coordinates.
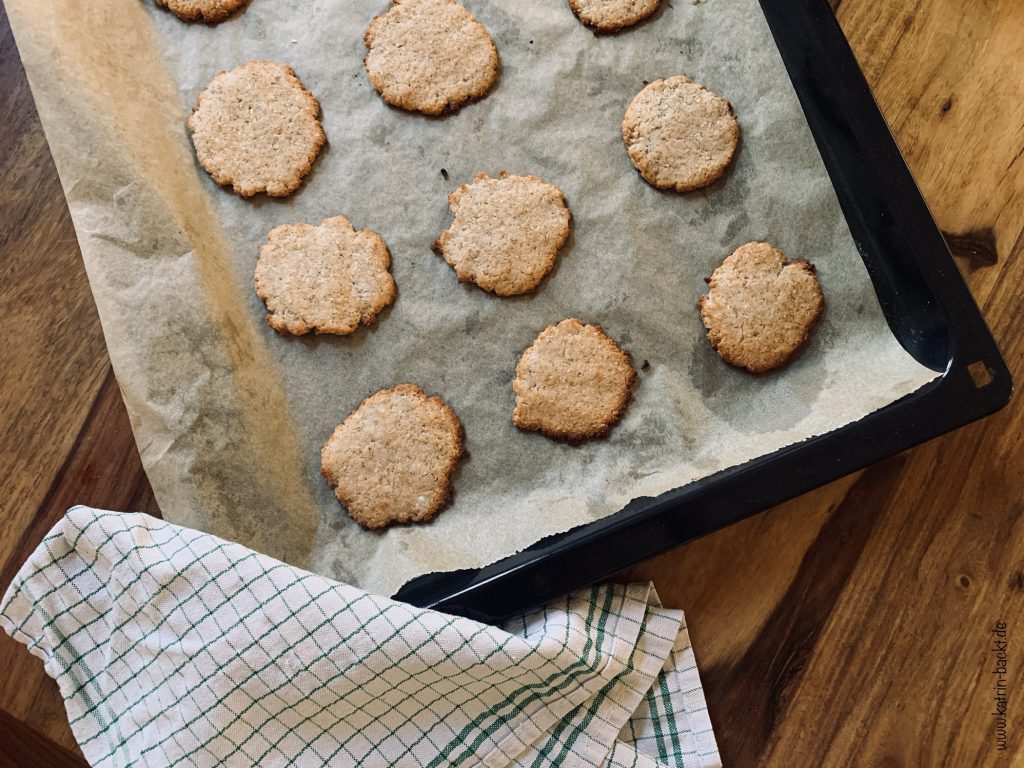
(925, 301)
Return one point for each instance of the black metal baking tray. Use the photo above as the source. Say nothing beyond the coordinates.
(925, 301)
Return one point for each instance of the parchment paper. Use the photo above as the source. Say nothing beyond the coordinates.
(229, 417)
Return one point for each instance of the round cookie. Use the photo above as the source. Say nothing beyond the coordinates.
(760, 308)
(612, 15)
(572, 383)
(680, 135)
(209, 11)
(257, 129)
(505, 232)
(392, 459)
(430, 56)
(327, 279)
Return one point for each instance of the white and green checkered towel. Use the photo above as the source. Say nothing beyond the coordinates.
(173, 647)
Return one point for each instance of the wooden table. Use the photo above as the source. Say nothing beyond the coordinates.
(850, 626)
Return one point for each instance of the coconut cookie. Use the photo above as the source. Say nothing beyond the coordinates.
(257, 129)
(760, 308)
(505, 232)
(392, 459)
(679, 134)
(209, 11)
(327, 279)
(430, 56)
(572, 383)
(612, 15)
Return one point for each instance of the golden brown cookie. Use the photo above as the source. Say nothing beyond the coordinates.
(257, 129)
(208, 11)
(327, 279)
(612, 15)
(760, 308)
(572, 383)
(505, 232)
(391, 460)
(430, 56)
(679, 134)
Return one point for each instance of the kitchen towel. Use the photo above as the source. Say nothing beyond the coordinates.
(175, 647)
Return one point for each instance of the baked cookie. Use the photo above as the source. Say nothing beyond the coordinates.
(391, 460)
(572, 383)
(679, 134)
(612, 15)
(430, 56)
(257, 129)
(760, 308)
(209, 11)
(505, 232)
(327, 279)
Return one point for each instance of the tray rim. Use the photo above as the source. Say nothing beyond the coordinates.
(913, 272)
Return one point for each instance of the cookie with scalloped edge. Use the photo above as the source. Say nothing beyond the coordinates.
(613, 15)
(391, 461)
(430, 56)
(505, 233)
(257, 129)
(572, 383)
(327, 279)
(680, 135)
(760, 308)
(207, 11)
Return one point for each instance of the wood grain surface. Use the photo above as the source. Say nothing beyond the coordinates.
(848, 627)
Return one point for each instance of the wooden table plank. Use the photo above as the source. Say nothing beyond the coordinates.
(53, 361)
(23, 747)
(102, 469)
(949, 78)
(846, 627)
